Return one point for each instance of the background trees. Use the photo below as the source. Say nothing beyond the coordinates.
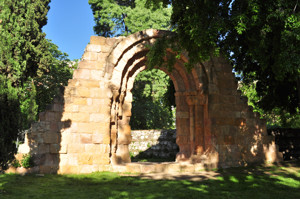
(124, 17)
(22, 56)
(153, 101)
(151, 107)
(261, 38)
(31, 70)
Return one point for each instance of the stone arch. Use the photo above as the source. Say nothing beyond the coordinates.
(87, 128)
(128, 57)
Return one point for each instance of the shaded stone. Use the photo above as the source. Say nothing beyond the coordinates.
(87, 126)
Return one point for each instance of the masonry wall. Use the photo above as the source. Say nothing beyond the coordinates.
(239, 136)
(87, 126)
(157, 144)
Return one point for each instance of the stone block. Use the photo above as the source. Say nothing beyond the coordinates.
(52, 116)
(106, 138)
(43, 148)
(66, 137)
(51, 138)
(73, 159)
(86, 138)
(79, 101)
(102, 102)
(102, 57)
(98, 138)
(187, 168)
(97, 93)
(228, 99)
(86, 127)
(57, 107)
(93, 48)
(106, 48)
(54, 126)
(92, 148)
(97, 40)
(122, 154)
(101, 159)
(54, 148)
(133, 168)
(83, 92)
(96, 74)
(76, 148)
(63, 148)
(124, 138)
(111, 41)
(181, 114)
(99, 117)
(76, 117)
(82, 74)
(89, 108)
(89, 101)
(88, 83)
(99, 64)
(85, 158)
(42, 116)
(68, 169)
(86, 64)
(69, 91)
(173, 168)
(88, 168)
(91, 56)
(105, 167)
(181, 139)
(48, 169)
(229, 140)
(148, 168)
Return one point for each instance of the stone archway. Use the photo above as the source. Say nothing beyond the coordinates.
(190, 99)
(87, 128)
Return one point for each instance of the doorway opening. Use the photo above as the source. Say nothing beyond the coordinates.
(153, 119)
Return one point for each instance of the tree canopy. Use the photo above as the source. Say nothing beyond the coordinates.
(152, 107)
(124, 17)
(261, 38)
(31, 70)
(24, 47)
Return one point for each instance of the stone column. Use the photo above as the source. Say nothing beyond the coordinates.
(183, 127)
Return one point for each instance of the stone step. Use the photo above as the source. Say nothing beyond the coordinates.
(155, 167)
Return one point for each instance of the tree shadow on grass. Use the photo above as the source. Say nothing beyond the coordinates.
(250, 182)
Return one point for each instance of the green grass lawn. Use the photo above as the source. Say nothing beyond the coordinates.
(250, 182)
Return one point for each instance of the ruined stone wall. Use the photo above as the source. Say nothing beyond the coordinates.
(87, 127)
(154, 144)
(239, 136)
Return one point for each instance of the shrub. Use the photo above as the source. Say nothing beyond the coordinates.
(15, 163)
(27, 161)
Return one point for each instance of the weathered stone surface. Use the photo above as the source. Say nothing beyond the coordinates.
(88, 125)
(154, 144)
(97, 40)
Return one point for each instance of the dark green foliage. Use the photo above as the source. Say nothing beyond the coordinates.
(60, 71)
(28, 106)
(32, 69)
(24, 49)
(153, 101)
(266, 48)
(276, 117)
(15, 163)
(261, 38)
(123, 17)
(10, 122)
(27, 161)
